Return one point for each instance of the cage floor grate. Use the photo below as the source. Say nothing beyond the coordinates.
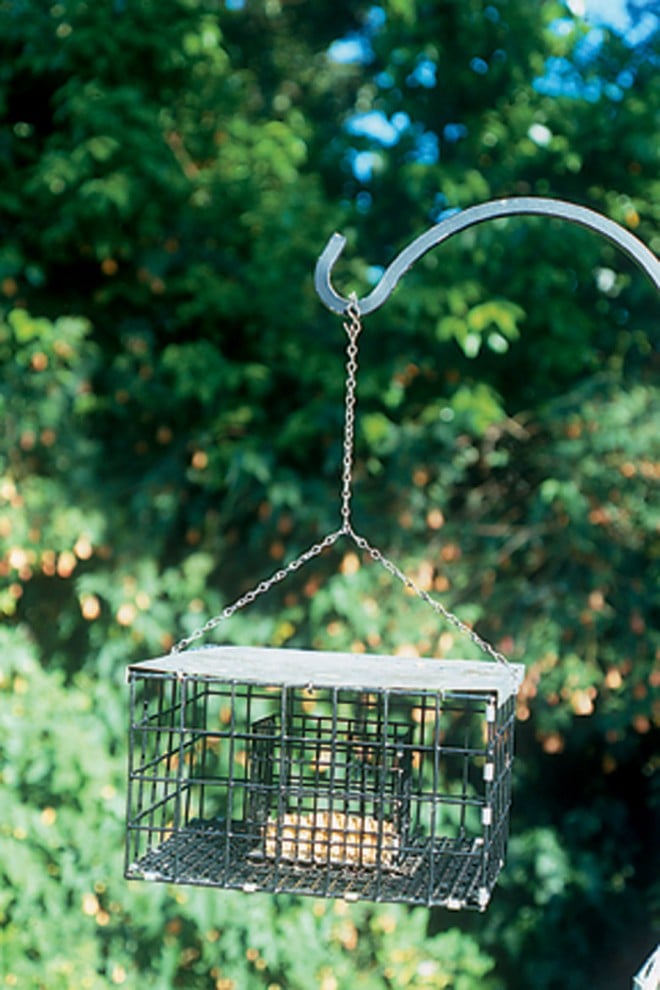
(447, 872)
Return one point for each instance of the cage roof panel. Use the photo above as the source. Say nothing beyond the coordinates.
(319, 669)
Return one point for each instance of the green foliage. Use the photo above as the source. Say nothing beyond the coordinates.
(171, 397)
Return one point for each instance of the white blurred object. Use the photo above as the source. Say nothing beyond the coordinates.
(648, 977)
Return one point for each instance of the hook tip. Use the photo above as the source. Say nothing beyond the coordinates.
(324, 266)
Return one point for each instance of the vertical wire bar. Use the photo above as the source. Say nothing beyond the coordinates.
(358, 769)
(347, 846)
(299, 720)
(203, 760)
(154, 754)
(133, 834)
(382, 769)
(331, 794)
(144, 736)
(423, 708)
(283, 782)
(169, 752)
(408, 790)
(317, 771)
(491, 827)
(153, 735)
(148, 750)
(295, 746)
(346, 771)
(401, 810)
(142, 770)
(436, 787)
(508, 745)
(418, 824)
(310, 771)
(493, 792)
(249, 798)
(296, 749)
(229, 832)
(465, 777)
(503, 769)
(504, 753)
(500, 792)
(179, 776)
(194, 736)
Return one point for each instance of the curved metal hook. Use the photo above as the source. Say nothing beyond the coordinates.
(529, 205)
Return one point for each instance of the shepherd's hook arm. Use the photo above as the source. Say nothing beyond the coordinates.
(525, 205)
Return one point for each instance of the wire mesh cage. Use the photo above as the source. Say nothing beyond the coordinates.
(326, 774)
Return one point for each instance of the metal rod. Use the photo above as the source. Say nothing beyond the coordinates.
(523, 205)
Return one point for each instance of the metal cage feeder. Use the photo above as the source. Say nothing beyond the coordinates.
(329, 774)
(333, 774)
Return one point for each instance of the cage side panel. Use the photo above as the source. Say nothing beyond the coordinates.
(499, 789)
(157, 750)
(446, 844)
(132, 850)
(188, 773)
(377, 795)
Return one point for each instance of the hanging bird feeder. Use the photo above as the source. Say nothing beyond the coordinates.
(333, 774)
(322, 773)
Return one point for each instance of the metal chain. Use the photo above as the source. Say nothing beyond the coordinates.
(353, 327)
(260, 589)
(437, 606)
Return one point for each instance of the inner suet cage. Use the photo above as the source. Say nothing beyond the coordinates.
(326, 774)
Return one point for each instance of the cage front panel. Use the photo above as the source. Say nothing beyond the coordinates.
(385, 794)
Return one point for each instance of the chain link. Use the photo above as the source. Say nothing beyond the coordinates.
(353, 327)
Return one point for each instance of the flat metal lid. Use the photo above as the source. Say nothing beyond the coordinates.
(356, 671)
